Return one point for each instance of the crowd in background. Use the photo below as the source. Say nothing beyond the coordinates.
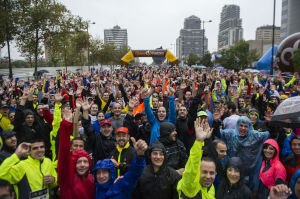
(144, 133)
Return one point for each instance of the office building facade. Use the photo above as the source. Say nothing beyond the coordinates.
(191, 39)
(230, 27)
(116, 36)
(290, 16)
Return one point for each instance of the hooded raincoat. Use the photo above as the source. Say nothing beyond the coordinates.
(123, 188)
(248, 148)
(272, 172)
(293, 183)
(72, 185)
(235, 191)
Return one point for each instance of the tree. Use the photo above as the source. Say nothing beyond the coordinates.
(252, 56)
(193, 59)
(296, 60)
(107, 54)
(7, 26)
(37, 20)
(206, 60)
(236, 57)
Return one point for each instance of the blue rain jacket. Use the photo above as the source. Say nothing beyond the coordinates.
(123, 188)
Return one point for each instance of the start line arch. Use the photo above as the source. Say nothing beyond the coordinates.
(149, 53)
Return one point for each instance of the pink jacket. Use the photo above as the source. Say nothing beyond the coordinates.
(277, 169)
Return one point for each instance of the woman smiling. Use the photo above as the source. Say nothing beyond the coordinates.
(272, 171)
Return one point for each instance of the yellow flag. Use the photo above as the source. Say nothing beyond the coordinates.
(128, 57)
(170, 56)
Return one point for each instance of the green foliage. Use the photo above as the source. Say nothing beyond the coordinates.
(296, 60)
(193, 59)
(238, 56)
(37, 20)
(206, 60)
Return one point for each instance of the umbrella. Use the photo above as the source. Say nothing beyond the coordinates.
(287, 114)
(40, 72)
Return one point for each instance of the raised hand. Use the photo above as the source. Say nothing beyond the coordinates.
(140, 146)
(85, 105)
(280, 191)
(58, 97)
(79, 103)
(22, 149)
(171, 91)
(202, 129)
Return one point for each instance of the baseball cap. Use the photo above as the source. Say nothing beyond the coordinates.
(122, 130)
(105, 122)
(202, 113)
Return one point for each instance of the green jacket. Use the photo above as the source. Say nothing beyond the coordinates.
(55, 127)
(190, 185)
(27, 175)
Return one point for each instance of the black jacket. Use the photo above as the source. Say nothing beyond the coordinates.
(101, 146)
(176, 155)
(127, 156)
(175, 151)
(225, 190)
(160, 185)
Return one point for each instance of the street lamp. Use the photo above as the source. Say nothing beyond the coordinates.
(203, 21)
(273, 35)
(87, 30)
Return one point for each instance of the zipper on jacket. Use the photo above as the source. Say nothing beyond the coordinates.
(42, 172)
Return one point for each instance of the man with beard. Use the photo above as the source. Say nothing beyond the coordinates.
(123, 154)
(9, 144)
(175, 151)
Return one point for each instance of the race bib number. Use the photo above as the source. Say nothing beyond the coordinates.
(40, 194)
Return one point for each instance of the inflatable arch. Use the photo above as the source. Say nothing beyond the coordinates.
(149, 53)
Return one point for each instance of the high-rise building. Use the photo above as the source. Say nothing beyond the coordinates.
(266, 33)
(290, 16)
(230, 27)
(263, 39)
(116, 36)
(191, 39)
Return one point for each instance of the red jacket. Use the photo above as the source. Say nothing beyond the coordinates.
(71, 185)
(277, 169)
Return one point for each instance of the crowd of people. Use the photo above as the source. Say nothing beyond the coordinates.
(138, 133)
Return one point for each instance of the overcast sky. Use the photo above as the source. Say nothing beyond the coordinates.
(154, 23)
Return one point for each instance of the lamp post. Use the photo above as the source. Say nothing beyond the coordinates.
(209, 21)
(273, 35)
(88, 47)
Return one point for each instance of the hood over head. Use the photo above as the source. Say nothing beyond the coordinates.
(155, 146)
(78, 154)
(293, 182)
(274, 144)
(237, 163)
(243, 119)
(101, 189)
(166, 128)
